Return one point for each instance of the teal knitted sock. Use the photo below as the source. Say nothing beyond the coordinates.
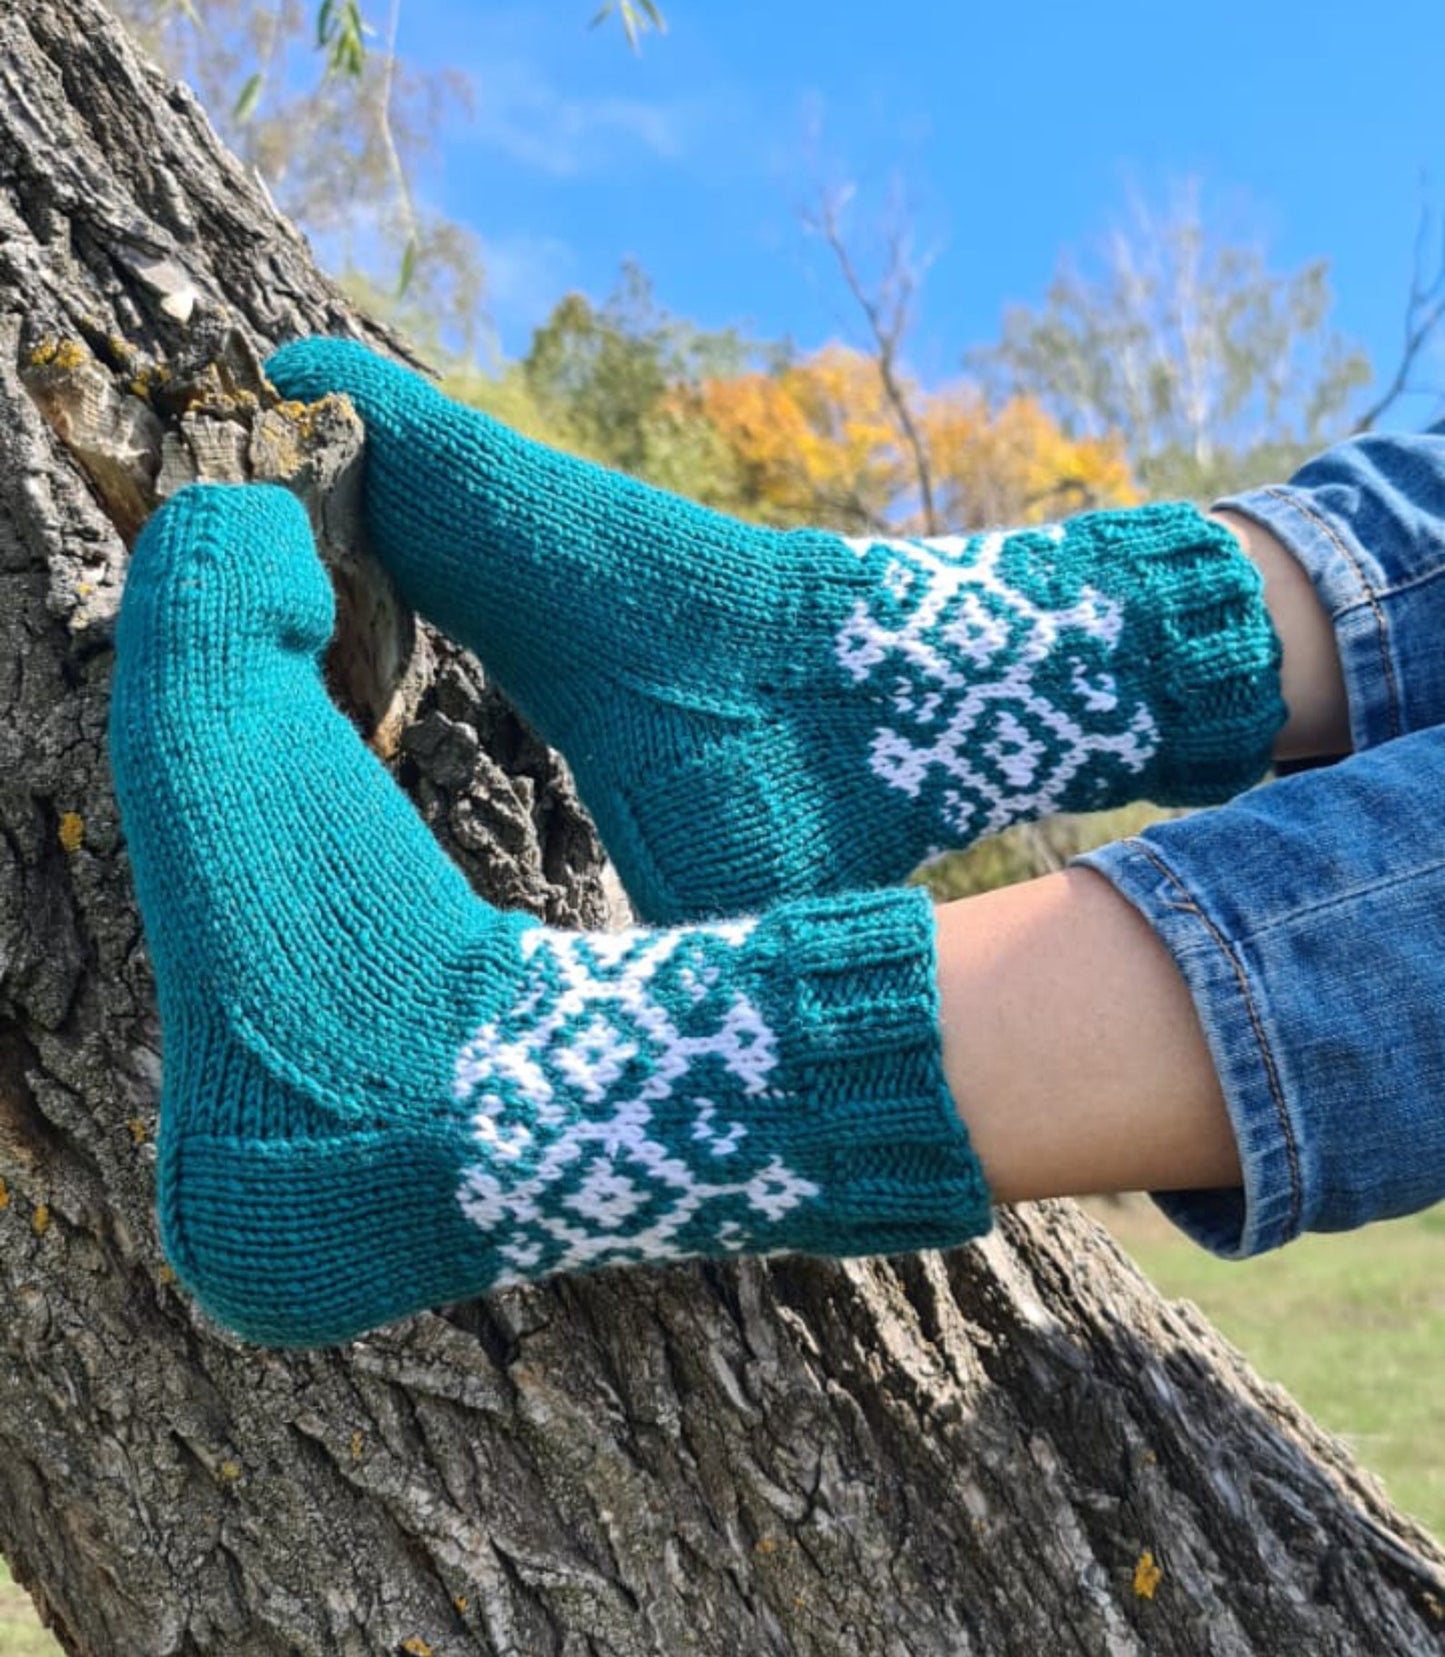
(381, 1094)
(753, 715)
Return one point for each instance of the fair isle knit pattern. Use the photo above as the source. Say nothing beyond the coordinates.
(630, 1022)
(752, 715)
(997, 702)
(380, 1094)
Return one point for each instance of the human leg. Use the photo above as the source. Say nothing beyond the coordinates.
(1249, 1017)
(1072, 1046)
(1312, 683)
(752, 715)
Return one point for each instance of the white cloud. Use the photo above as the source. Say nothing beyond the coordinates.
(534, 123)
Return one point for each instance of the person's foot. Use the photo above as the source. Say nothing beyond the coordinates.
(754, 715)
(381, 1094)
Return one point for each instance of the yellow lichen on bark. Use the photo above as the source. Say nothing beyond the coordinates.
(64, 354)
(1147, 1575)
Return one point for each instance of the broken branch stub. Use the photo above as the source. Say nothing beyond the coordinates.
(143, 429)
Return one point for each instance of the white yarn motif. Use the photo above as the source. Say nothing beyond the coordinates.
(953, 650)
(596, 1144)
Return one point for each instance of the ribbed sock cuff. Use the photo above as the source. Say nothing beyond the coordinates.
(866, 1111)
(1204, 648)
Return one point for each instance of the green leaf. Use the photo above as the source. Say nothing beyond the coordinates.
(408, 267)
(250, 96)
(341, 33)
(637, 17)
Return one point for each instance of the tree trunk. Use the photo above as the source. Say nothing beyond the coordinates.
(1013, 1449)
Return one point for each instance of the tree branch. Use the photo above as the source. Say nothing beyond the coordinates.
(1423, 314)
(887, 314)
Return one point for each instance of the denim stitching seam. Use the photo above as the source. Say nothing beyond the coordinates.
(1371, 597)
(1325, 905)
(1286, 1128)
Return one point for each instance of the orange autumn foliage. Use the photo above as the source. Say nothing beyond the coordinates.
(813, 442)
(817, 442)
(1015, 464)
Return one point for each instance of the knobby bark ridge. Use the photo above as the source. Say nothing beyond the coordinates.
(1015, 1449)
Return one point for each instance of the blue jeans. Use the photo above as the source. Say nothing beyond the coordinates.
(1308, 917)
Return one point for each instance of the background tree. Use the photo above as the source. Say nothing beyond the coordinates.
(1217, 371)
(816, 441)
(1012, 1449)
(1424, 315)
(812, 442)
(784, 438)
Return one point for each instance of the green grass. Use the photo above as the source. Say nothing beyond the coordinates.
(1353, 1325)
(20, 1632)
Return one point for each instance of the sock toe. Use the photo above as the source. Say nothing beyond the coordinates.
(204, 584)
(307, 370)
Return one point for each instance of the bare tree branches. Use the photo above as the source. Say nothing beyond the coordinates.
(1424, 312)
(888, 311)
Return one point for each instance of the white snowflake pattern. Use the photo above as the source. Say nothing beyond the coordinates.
(589, 1157)
(962, 661)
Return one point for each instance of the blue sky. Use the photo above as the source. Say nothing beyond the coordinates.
(1015, 132)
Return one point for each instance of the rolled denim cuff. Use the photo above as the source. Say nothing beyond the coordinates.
(1267, 1212)
(1366, 519)
(1307, 920)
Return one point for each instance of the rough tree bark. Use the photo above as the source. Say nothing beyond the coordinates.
(1015, 1449)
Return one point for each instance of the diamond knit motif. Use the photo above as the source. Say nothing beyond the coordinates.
(590, 1097)
(998, 701)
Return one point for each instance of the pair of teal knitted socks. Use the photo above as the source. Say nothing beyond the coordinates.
(381, 1094)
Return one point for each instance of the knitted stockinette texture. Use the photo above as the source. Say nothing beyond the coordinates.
(754, 715)
(381, 1094)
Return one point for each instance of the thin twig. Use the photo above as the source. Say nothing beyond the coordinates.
(388, 138)
(896, 290)
(1423, 315)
